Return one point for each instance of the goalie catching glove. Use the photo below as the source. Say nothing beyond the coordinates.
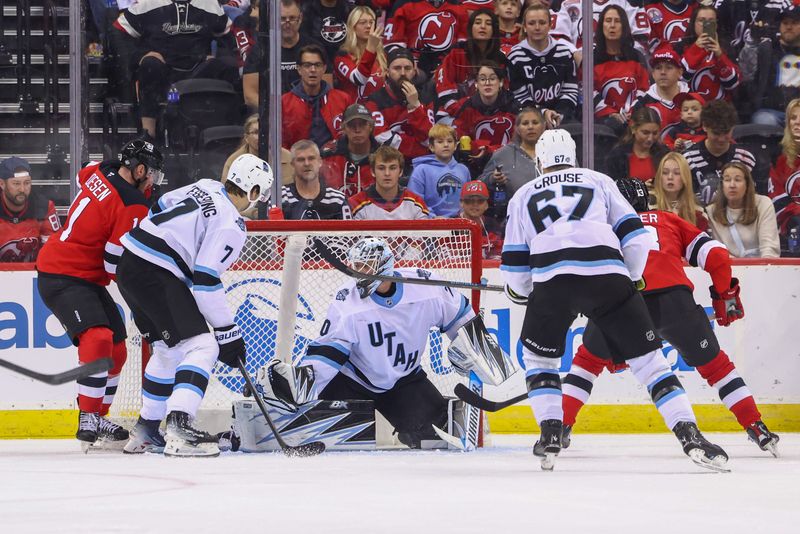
(727, 305)
(473, 349)
(286, 386)
(231, 345)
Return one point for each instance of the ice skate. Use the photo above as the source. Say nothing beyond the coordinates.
(566, 436)
(549, 444)
(145, 437)
(228, 441)
(110, 436)
(699, 449)
(761, 436)
(184, 440)
(87, 429)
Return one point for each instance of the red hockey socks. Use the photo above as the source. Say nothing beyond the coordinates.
(577, 385)
(119, 354)
(93, 344)
(734, 393)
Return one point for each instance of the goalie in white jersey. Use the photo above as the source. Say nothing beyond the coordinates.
(575, 245)
(169, 274)
(373, 339)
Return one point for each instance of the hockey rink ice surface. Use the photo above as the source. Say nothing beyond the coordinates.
(602, 483)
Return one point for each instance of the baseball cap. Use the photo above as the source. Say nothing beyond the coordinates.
(665, 53)
(680, 98)
(9, 165)
(475, 188)
(399, 52)
(793, 12)
(357, 111)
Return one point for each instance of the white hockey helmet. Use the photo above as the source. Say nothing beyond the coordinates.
(371, 255)
(248, 171)
(555, 147)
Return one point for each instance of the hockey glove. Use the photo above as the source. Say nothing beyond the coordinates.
(727, 305)
(231, 345)
(286, 385)
(515, 297)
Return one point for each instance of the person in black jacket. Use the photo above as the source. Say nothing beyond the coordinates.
(639, 152)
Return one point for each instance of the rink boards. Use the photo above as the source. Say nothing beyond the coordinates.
(764, 347)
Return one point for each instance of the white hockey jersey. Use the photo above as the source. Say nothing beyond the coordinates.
(377, 341)
(572, 221)
(195, 233)
(569, 20)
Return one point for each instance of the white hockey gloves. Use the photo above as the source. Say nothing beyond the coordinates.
(515, 297)
(474, 349)
(286, 386)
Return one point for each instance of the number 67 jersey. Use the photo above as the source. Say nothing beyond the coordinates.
(572, 221)
(195, 233)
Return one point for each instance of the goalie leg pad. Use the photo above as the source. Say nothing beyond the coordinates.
(474, 349)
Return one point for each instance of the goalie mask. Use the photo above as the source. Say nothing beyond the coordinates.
(555, 147)
(371, 256)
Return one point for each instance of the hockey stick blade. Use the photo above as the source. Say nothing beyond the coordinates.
(308, 449)
(473, 399)
(339, 265)
(76, 373)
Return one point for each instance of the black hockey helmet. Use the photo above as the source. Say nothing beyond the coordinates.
(141, 152)
(634, 192)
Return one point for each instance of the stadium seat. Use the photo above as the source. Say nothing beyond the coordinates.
(216, 144)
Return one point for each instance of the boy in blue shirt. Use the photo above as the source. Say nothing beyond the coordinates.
(438, 177)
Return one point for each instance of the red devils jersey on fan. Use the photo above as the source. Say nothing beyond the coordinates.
(668, 112)
(784, 190)
(352, 77)
(396, 126)
(105, 209)
(677, 239)
(488, 126)
(668, 22)
(618, 85)
(714, 78)
(472, 5)
(23, 233)
(341, 172)
(417, 24)
(455, 78)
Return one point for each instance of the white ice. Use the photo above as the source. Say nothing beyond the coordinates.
(602, 483)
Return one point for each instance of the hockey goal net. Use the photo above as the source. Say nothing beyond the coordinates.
(280, 290)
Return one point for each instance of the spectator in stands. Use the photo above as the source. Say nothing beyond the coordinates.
(689, 130)
(308, 197)
(669, 20)
(345, 162)
(455, 77)
(742, 220)
(784, 176)
(438, 177)
(312, 109)
(510, 30)
(325, 21)
(27, 219)
(402, 116)
(620, 74)
(542, 71)
(487, 117)
(172, 49)
(668, 83)
(778, 73)
(639, 152)
(243, 29)
(249, 144)
(706, 65)
(360, 64)
(474, 203)
(292, 41)
(514, 165)
(706, 159)
(386, 199)
(672, 188)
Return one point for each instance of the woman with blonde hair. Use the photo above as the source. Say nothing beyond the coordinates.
(672, 187)
(741, 219)
(787, 210)
(361, 57)
(249, 145)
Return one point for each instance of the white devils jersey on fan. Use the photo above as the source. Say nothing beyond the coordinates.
(195, 233)
(377, 341)
(569, 21)
(573, 221)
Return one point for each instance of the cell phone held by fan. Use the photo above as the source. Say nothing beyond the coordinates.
(710, 28)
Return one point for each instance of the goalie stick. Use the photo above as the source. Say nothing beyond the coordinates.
(307, 449)
(339, 265)
(473, 399)
(76, 373)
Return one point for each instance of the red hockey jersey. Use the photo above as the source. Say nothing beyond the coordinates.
(105, 209)
(618, 85)
(668, 22)
(677, 239)
(416, 24)
(23, 233)
(784, 190)
(488, 126)
(352, 77)
(397, 127)
(714, 78)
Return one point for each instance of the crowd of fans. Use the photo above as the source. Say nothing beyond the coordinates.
(409, 109)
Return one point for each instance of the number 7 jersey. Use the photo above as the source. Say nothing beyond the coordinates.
(572, 221)
(195, 233)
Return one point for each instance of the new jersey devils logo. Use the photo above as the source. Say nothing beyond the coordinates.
(793, 187)
(619, 93)
(437, 32)
(705, 83)
(496, 130)
(675, 30)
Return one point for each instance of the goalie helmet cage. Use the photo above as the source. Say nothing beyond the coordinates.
(280, 290)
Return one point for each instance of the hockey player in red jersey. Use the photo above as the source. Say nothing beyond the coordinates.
(677, 317)
(78, 262)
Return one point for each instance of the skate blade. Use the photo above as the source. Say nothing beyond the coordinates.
(452, 441)
(772, 447)
(717, 464)
(548, 462)
(142, 448)
(181, 449)
(102, 446)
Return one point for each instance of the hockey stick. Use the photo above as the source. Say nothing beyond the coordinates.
(339, 265)
(473, 399)
(308, 449)
(76, 373)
